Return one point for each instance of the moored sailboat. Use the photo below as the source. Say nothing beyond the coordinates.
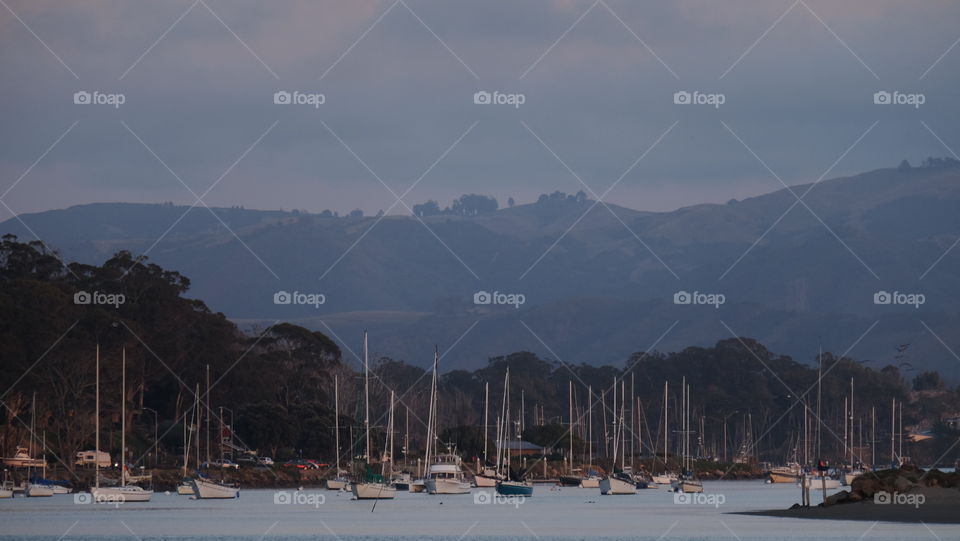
(371, 485)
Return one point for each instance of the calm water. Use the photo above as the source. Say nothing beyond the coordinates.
(569, 513)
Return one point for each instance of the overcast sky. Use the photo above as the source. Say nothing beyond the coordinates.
(398, 80)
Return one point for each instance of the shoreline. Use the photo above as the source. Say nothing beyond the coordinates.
(869, 512)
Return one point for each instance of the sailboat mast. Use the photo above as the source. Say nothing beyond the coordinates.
(590, 422)
(366, 395)
(570, 403)
(97, 422)
(486, 419)
(123, 418)
(851, 422)
(336, 419)
(616, 442)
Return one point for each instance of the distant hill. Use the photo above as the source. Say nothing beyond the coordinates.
(605, 290)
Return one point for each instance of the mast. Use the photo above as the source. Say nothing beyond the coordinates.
(486, 419)
(336, 419)
(590, 422)
(851, 423)
(616, 442)
(123, 418)
(623, 433)
(819, 379)
(97, 422)
(207, 426)
(666, 427)
(893, 430)
(366, 396)
(570, 403)
(873, 437)
(633, 416)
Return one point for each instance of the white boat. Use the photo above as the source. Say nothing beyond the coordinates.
(849, 476)
(617, 484)
(689, 486)
(487, 478)
(818, 482)
(418, 486)
(339, 483)
(374, 491)
(208, 489)
(36, 490)
(372, 486)
(446, 476)
(6, 488)
(590, 481)
(121, 494)
(665, 479)
(22, 459)
(185, 488)
(785, 474)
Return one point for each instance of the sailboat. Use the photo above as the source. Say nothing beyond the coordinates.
(31, 489)
(509, 486)
(444, 473)
(665, 478)
(123, 493)
(687, 482)
(592, 479)
(370, 486)
(185, 488)
(574, 476)
(618, 482)
(486, 476)
(339, 482)
(206, 488)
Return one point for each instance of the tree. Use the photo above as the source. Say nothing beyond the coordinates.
(430, 208)
(474, 205)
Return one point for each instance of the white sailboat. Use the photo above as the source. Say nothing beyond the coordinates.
(30, 489)
(665, 478)
(486, 477)
(509, 486)
(206, 488)
(620, 482)
(124, 493)
(444, 473)
(339, 482)
(370, 486)
(688, 482)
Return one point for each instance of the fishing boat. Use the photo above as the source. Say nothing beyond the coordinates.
(620, 481)
(512, 484)
(371, 485)
(124, 493)
(340, 482)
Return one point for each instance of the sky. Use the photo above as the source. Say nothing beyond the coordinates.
(389, 118)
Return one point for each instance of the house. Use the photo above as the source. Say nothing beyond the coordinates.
(522, 448)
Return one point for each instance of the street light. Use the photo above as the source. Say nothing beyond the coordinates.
(156, 442)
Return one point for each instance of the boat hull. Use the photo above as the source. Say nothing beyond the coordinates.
(690, 487)
(447, 486)
(337, 484)
(185, 489)
(373, 491)
(590, 482)
(484, 481)
(418, 486)
(611, 486)
(820, 483)
(128, 494)
(38, 491)
(5, 493)
(514, 489)
(781, 477)
(205, 489)
(570, 480)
